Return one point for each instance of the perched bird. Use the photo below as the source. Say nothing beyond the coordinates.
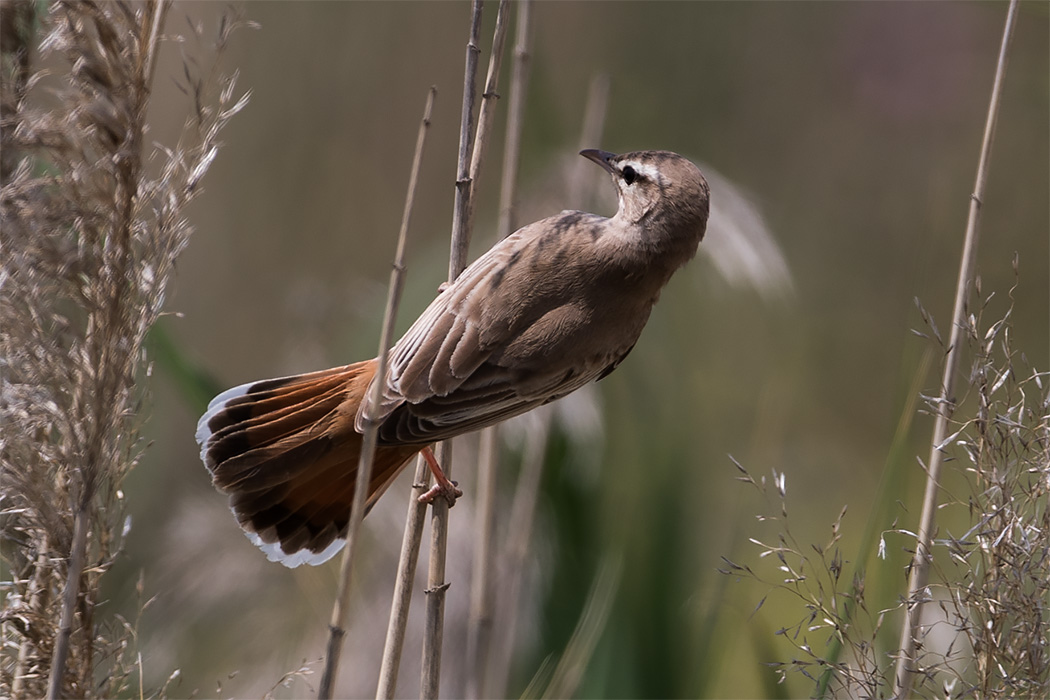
(555, 305)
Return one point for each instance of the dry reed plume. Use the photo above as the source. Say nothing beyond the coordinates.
(93, 222)
(990, 583)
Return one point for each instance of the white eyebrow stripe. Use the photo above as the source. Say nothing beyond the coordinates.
(646, 170)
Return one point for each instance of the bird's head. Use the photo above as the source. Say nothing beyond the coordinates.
(658, 189)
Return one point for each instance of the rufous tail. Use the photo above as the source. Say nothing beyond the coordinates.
(286, 452)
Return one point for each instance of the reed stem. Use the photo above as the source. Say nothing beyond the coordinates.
(907, 660)
(337, 626)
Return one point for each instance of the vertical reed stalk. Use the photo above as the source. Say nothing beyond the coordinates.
(406, 574)
(471, 158)
(482, 598)
(522, 514)
(568, 674)
(457, 256)
(337, 626)
(910, 630)
(482, 593)
(487, 111)
(434, 619)
(581, 180)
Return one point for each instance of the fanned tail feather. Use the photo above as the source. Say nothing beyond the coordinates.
(286, 452)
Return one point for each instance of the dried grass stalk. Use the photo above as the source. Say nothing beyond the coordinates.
(482, 585)
(337, 627)
(406, 574)
(91, 235)
(434, 616)
(910, 633)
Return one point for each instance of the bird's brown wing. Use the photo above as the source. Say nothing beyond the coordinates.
(459, 367)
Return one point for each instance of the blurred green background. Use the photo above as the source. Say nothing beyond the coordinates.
(856, 129)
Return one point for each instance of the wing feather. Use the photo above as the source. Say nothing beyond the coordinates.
(479, 353)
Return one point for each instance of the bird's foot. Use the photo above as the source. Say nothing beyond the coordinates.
(443, 486)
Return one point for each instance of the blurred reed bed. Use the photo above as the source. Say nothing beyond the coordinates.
(92, 215)
(976, 613)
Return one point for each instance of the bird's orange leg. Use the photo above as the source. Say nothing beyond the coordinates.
(443, 486)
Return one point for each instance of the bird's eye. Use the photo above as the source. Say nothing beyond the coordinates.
(629, 175)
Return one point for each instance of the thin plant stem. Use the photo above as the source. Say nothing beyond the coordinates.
(35, 590)
(406, 574)
(522, 514)
(519, 83)
(892, 474)
(155, 22)
(910, 630)
(434, 619)
(482, 598)
(482, 594)
(487, 110)
(581, 180)
(565, 680)
(457, 256)
(434, 615)
(74, 571)
(108, 367)
(337, 627)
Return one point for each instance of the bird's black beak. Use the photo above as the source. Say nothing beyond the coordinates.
(602, 158)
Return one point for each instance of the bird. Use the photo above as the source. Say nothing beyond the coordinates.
(555, 305)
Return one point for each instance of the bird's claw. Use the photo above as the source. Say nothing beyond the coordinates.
(443, 486)
(449, 490)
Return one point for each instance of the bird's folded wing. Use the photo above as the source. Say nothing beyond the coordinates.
(445, 375)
